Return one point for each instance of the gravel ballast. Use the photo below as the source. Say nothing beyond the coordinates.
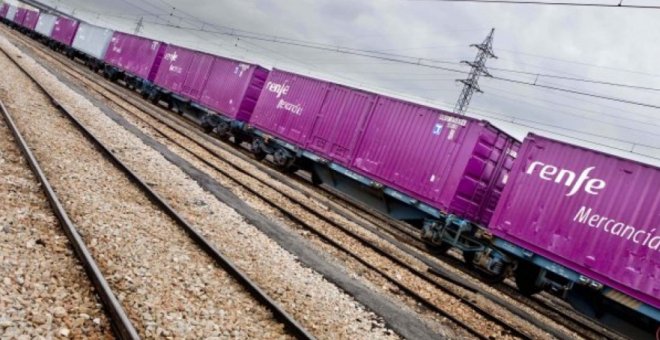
(320, 306)
(165, 283)
(44, 291)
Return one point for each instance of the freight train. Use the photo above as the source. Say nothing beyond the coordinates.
(579, 223)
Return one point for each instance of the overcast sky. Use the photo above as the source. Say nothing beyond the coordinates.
(613, 45)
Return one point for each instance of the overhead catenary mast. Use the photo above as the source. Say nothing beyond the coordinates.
(471, 84)
(139, 25)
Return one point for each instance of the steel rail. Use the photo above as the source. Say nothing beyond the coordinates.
(280, 314)
(121, 324)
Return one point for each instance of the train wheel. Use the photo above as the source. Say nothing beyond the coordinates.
(438, 249)
(491, 279)
(258, 153)
(282, 158)
(468, 257)
(526, 275)
(207, 128)
(484, 275)
(237, 140)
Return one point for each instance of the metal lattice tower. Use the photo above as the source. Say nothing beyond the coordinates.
(478, 69)
(139, 25)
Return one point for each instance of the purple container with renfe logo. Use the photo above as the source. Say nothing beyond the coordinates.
(136, 55)
(174, 68)
(454, 163)
(65, 30)
(31, 19)
(592, 212)
(226, 86)
(20, 15)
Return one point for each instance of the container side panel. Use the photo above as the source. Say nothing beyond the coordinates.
(339, 123)
(174, 68)
(226, 86)
(135, 55)
(408, 147)
(288, 106)
(197, 76)
(45, 24)
(592, 212)
(20, 16)
(64, 30)
(31, 19)
(92, 40)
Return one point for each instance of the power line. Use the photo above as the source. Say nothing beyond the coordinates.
(548, 3)
(579, 63)
(554, 110)
(555, 104)
(367, 53)
(517, 121)
(555, 88)
(337, 49)
(582, 80)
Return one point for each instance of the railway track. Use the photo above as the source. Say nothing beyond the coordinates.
(411, 292)
(120, 323)
(120, 320)
(541, 303)
(404, 234)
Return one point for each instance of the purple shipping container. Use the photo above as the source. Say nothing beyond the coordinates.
(233, 87)
(31, 19)
(4, 9)
(223, 85)
(174, 68)
(592, 212)
(135, 55)
(456, 164)
(65, 30)
(20, 15)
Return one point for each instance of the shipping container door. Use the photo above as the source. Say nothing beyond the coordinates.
(406, 146)
(251, 96)
(475, 188)
(339, 122)
(197, 76)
